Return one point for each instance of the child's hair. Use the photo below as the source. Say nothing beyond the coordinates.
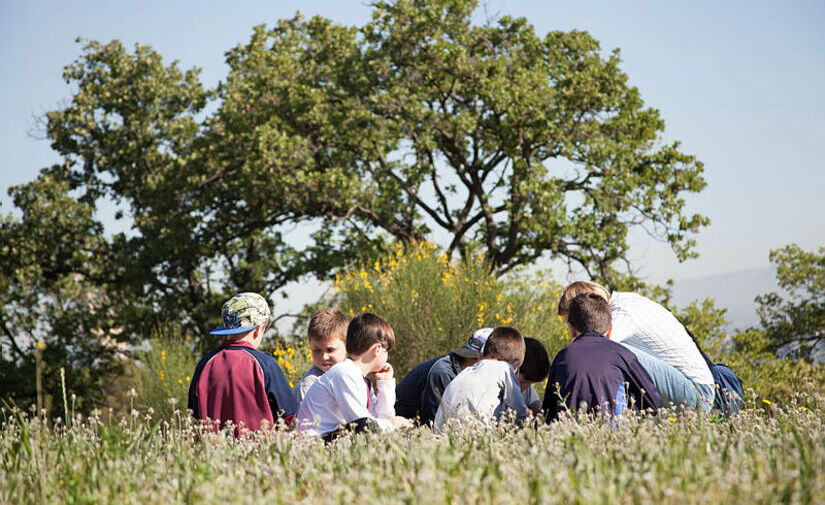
(589, 312)
(578, 288)
(536, 364)
(505, 344)
(366, 329)
(328, 324)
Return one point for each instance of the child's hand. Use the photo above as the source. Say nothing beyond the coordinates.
(401, 422)
(384, 374)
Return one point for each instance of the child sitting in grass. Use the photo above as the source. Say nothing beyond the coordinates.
(342, 398)
(327, 335)
(535, 368)
(594, 373)
(489, 390)
(237, 383)
(419, 393)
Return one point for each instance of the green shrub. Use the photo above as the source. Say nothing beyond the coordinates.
(765, 377)
(435, 304)
(163, 374)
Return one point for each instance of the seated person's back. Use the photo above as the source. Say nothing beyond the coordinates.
(593, 372)
(237, 383)
(488, 390)
(419, 393)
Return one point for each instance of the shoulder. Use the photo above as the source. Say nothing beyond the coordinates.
(312, 374)
(442, 367)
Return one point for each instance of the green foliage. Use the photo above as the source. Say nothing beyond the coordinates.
(164, 374)
(49, 293)
(800, 318)
(770, 454)
(750, 353)
(416, 124)
(435, 304)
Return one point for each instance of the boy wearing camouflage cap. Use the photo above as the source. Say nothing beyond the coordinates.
(237, 383)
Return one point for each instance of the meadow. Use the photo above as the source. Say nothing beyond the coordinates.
(142, 446)
(766, 454)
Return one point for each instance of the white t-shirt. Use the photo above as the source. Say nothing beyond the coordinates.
(482, 392)
(644, 324)
(343, 395)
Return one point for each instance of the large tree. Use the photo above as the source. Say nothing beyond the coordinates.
(417, 125)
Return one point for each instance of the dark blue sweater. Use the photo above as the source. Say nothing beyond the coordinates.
(591, 371)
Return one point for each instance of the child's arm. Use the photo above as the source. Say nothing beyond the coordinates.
(352, 393)
(383, 404)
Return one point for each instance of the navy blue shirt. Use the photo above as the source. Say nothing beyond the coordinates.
(408, 391)
(592, 370)
(440, 376)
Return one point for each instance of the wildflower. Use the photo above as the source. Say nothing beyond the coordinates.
(40, 345)
(767, 402)
(671, 419)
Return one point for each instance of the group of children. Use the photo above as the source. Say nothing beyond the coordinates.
(627, 353)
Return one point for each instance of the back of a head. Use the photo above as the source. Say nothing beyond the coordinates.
(505, 344)
(366, 329)
(536, 364)
(589, 312)
(328, 324)
(578, 288)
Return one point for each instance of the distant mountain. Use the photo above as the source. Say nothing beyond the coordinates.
(734, 291)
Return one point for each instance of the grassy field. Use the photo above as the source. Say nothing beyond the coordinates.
(768, 454)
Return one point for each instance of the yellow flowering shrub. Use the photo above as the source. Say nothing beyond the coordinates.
(434, 303)
(293, 357)
(163, 374)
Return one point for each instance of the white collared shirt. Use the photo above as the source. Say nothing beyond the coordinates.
(341, 396)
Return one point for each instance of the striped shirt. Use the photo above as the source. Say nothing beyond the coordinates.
(644, 324)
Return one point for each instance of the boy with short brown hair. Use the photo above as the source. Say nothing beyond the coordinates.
(593, 373)
(342, 398)
(327, 335)
(486, 391)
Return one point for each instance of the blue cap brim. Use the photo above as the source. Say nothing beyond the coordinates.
(232, 331)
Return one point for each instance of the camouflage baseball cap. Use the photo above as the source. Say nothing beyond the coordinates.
(243, 312)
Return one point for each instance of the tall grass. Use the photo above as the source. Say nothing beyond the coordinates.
(767, 454)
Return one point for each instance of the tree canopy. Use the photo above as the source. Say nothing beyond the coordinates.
(797, 316)
(417, 125)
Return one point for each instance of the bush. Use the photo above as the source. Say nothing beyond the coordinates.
(766, 378)
(163, 375)
(434, 304)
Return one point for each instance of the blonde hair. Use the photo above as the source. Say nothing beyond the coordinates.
(328, 324)
(579, 288)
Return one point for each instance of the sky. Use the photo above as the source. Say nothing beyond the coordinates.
(739, 83)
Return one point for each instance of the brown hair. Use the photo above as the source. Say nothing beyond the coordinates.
(328, 324)
(536, 365)
(366, 329)
(589, 312)
(505, 344)
(578, 288)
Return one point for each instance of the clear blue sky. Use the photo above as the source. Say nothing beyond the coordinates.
(740, 83)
